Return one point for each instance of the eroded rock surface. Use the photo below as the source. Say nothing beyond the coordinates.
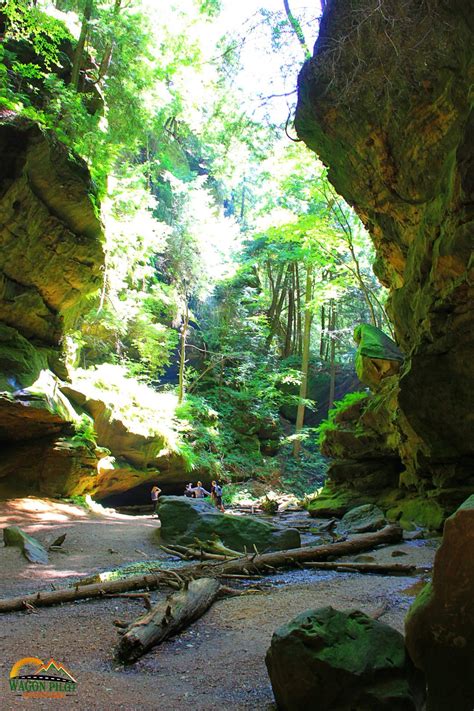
(385, 103)
(50, 258)
(50, 232)
(440, 624)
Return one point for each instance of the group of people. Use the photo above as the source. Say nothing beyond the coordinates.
(199, 492)
(196, 492)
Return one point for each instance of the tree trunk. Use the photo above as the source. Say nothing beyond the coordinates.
(108, 51)
(296, 27)
(299, 348)
(182, 355)
(332, 379)
(167, 618)
(81, 43)
(305, 360)
(263, 563)
(289, 324)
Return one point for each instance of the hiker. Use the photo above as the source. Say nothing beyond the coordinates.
(216, 496)
(155, 492)
(199, 491)
(189, 490)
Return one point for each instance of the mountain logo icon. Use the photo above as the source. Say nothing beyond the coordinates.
(33, 678)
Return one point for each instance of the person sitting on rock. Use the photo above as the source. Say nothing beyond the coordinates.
(199, 491)
(155, 492)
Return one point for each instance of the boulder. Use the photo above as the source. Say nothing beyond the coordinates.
(440, 624)
(31, 548)
(362, 519)
(184, 519)
(341, 661)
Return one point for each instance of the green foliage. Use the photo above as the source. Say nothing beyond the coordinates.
(78, 500)
(205, 208)
(25, 21)
(339, 406)
(269, 506)
(84, 432)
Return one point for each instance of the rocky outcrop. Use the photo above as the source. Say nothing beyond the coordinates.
(440, 624)
(50, 231)
(385, 103)
(361, 439)
(183, 520)
(335, 661)
(50, 259)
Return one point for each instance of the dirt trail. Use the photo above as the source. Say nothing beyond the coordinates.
(218, 663)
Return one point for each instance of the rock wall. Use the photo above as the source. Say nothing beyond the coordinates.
(50, 259)
(385, 103)
(50, 232)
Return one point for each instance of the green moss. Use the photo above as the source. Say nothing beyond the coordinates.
(422, 600)
(424, 512)
(338, 408)
(332, 502)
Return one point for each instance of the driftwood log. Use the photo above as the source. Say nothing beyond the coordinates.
(250, 564)
(167, 618)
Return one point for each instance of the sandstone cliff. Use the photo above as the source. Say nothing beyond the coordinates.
(385, 104)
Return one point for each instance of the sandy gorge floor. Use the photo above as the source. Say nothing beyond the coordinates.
(217, 663)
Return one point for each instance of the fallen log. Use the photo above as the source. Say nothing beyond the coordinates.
(248, 565)
(257, 563)
(381, 569)
(166, 619)
(83, 592)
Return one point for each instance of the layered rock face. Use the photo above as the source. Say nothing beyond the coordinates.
(50, 232)
(385, 103)
(50, 258)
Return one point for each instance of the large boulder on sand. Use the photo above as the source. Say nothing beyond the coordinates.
(440, 624)
(341, 661)
(184, 519)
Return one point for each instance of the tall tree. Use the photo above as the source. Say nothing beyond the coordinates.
(308, 318)
(78, 59)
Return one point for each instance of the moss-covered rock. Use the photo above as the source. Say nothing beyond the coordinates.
(377, 357)
(420, 510)
(362, 519)
(30, 547)
(336, 661)
(183, 520)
